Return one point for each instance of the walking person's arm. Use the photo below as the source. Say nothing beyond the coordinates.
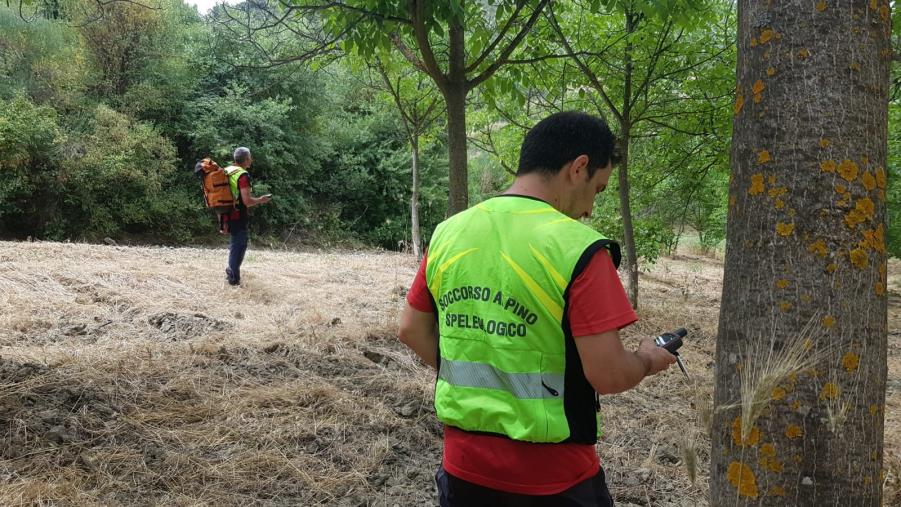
(251, 201)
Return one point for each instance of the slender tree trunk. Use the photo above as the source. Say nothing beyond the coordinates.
(625, 139)
(414, 201)
(455, 95)
(626, 212)
(805, 247)
(458, 177)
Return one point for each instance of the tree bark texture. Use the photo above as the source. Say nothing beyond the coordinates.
(626, 212)
(458, 177)
(806, 245)
(414, 202)
(455, 93)
(625, 139)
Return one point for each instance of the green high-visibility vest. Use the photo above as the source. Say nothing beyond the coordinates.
(234, 172)
(499, 275)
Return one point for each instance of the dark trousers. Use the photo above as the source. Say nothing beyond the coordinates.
(455, 492)
(236, 248)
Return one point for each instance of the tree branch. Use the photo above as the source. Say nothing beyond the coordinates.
(500, 36)
(508, 50)
(552, 18)
(425, 48)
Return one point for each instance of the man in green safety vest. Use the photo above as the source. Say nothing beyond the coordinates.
(237, 221)
(518, 306)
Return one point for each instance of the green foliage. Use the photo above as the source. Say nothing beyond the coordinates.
(42, 59)
(367, 177)
(30, 140)
(675, 105)
(102, 121)
(116, 183)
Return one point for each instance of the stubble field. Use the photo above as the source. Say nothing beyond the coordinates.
(136, 376)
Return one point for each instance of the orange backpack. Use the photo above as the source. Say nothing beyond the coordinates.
(216, 189)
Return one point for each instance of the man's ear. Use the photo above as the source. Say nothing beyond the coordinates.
(578, 166)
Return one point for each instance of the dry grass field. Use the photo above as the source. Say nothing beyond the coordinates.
(136, 376)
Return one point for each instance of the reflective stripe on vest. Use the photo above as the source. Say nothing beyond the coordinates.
(524, 386)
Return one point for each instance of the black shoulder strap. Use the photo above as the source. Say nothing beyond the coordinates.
(610, 245)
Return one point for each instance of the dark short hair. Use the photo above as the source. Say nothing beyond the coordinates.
(561, 137)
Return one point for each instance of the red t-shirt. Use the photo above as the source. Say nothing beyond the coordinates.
(597, 303)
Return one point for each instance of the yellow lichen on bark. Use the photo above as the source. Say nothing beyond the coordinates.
(785, 306)
(859, 258)
(771, 464)
(793, 431)
(880, 178)
(830, 391)
(865, 207)
(827, 166)
(818, 247)
(875, 238)
(824, 143)
(742, 478)
(751, 440)
(771, 71)
(831, 268)
(763, 156)
(766, 35)
(850, 361)
(777, 191)
(776, 490)
(756, 184)
(864, 210)
(739, 103)
(781, 284)
(804, 53)
(848, 170)
(778, 393)
(821, 6)
(785, 229)
(828, 321)
(868, 181)
(758, 90)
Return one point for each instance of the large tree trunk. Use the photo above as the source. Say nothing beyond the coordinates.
(805, 245)
(414, 202)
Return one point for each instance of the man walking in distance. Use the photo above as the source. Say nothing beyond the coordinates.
(239, 180)
(528, 307)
